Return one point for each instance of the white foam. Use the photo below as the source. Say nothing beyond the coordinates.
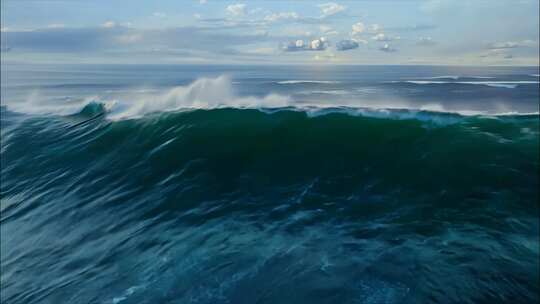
(126, 294)
(499, 84)
(204, 93)
(307, 81)
(456, 77)
(327, 92)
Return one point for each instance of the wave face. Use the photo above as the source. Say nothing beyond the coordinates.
(232, 205)
(178, 185)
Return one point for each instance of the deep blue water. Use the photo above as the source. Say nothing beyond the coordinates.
(270, 184)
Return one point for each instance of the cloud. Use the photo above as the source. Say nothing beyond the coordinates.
(497, 53)
(109, 24)
(512, 44)
(203, 1)
(414, 28)
(281, 16)
(319, 44)
(99, 40)
(159, 14)
(375, 28)
(425, 41)
(381, 37)
(331, 8)
(237, 9)
(358, 28)
(328, 30)
(387, 48)
(346, 44)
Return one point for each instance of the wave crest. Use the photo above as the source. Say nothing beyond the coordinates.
(203, 93)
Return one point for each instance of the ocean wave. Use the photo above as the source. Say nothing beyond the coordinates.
(457, 77)
(498, 84)
(327, 92)
(216, 93)
(432, 113)
(173, 206)
(307, 81)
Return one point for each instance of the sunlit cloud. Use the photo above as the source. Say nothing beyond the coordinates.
(109, 24)
(281, 16)
(387, 48)
(319, 44)
(238, 9)
(358, 28)
(331, 8)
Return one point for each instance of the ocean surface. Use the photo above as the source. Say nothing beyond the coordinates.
(269, 184)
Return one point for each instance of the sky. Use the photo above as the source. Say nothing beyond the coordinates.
(436, 32)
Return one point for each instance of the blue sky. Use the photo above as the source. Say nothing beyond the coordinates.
(474, 32)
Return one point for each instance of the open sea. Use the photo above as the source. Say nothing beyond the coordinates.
(269, 184)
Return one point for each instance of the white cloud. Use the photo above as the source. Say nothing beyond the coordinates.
(281, 16)
(497, 53)
(387, 48)
(237, 9)
(331, 8)
(109, 24)
(375, 28)
(512, 44)
(381, 37)
(316, 44)
(159, 14)
(203, 1)
(328, 30)
(319, 44)
(358, 28)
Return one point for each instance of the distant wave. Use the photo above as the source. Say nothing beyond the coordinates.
(497, 84)
(457, 77)
(307, 81)
(327, 92)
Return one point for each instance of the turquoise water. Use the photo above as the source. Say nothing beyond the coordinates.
(139, 191)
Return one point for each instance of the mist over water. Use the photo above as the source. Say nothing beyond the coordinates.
(197, 184)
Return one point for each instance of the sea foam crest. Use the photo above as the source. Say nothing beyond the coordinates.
(203, 93)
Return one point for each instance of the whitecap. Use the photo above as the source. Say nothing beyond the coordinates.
(307, 81)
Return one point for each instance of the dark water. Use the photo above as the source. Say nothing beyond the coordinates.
(113, 202)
